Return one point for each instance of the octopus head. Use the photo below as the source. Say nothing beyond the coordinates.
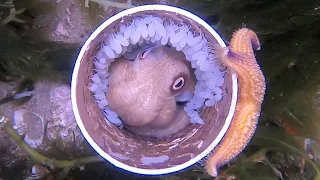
(145, 92)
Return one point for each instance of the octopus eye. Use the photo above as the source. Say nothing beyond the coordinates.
(178, 84)
(145, 52)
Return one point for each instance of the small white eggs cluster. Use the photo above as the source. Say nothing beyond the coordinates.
(152, 29)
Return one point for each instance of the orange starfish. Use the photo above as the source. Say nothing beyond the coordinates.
(240, 58)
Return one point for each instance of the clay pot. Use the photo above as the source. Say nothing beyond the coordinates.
(139, 154)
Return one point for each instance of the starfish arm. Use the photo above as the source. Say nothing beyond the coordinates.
(8, 19)
(18, 20)
(20, 11)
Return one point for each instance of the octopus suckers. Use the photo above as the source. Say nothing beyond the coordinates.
(151, 29)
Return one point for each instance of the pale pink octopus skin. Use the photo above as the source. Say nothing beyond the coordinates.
(141, 91)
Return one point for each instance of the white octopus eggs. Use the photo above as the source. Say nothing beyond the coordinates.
(152, 29)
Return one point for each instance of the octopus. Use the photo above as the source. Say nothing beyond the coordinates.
(146, 91)
(239, 57)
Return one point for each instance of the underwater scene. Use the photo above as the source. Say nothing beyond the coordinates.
(159, 89)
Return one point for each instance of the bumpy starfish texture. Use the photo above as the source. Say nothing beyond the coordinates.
(240, 58)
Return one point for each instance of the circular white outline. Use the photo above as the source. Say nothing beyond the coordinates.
(74, 81)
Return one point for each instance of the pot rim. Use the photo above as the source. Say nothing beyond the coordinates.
(74, 80)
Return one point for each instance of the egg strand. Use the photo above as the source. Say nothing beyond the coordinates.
(152, 29)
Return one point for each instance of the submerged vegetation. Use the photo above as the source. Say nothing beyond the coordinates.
(286, 143)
